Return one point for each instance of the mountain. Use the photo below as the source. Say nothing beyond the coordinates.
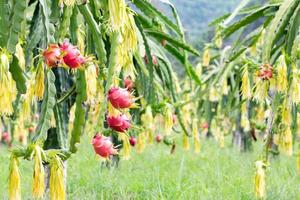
(197, 14)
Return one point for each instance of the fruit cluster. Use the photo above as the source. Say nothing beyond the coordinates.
(119, 99)
(64, 54)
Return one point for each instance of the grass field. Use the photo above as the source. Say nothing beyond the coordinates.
(214, 174)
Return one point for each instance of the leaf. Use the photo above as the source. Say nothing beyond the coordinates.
(277, 26)
(295, 47)
(97, 36)
(18, 15)
(79, 120)
(244, 21)
(293, 30)
(162, 36)
(150, 10)
(235, 12)
(64, 23)
(47, 108)
(175, 52)
(150, 66)
(48, 27)
(219, 20)
(35, 33)
(59, 131)
(4, 22)
(17, 75)
(74, 25)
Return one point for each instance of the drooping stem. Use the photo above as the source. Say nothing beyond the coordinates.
(111, 69)
(269, 136)
(97, 36)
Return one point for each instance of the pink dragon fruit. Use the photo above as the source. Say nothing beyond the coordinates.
(119, 123)
(103, 146)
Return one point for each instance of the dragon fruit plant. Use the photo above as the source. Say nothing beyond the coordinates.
(60, 60)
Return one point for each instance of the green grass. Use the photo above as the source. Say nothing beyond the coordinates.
(216, 174)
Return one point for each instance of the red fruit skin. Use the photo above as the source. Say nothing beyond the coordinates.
(132, 141)
(31, 129)
(154, 60)
(174, 117)
(6, 137)
(119, 98)
(52, 55)
(158, 138)
(119, 123)
(103, 146)
(205, 125)
(266, 72)
(71, 55)
(128, 83)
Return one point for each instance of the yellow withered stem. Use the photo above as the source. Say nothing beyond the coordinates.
(214, 94)
(273, 85)
(286, 141)
(218, 37)
(224, 87)
(281, 78)
(20, 55)
(176, 83)
(196, 138)
(259, 180)
(286, 112)
(129, 33)
(141, 142)
(115, 77)
(39, 81)
(295, 86)
(91, 85)
(129, 70)
(221, 139)
(206, 57)
(14, 179)
(147, 118)
(186, 143)
(245, 123)
(150, 136)
(298, 160)
(52, 120)
(253, 50)
(168, 120)
(245, 87)
(199, 69)
(112, 111)
(117, 13)
(261, 39)
(298, 127)
(38, 187)
(57, 188)
(81, 38)
(260, 113)
(27, 100)
(71, 117)
(125, 152)
(128, 44)
(8, 89)
(261, 90)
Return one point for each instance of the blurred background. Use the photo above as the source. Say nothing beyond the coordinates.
(196, 16)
